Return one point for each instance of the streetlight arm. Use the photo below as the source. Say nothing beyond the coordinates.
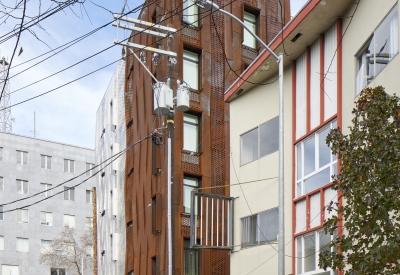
(211, 6)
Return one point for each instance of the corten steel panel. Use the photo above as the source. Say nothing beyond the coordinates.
(211, 164)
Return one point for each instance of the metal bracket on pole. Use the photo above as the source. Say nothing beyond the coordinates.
(133, 28)
(145, 48)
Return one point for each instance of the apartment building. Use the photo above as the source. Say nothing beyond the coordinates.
(110, 141)
(30, 165)
(211, 52)
(332, 50)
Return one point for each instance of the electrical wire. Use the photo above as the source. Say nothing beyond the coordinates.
(113, 158)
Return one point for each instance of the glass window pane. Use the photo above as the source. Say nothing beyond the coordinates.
(191, 69)
(299, 161)
(191, 119)
(190, 137)
(25, 154)
(48, 162)
(25, 187)
(386, 40)
(324, 151)
(324, 241)
(269, 137)
(268, 223)
(19, 157)
(320, 179)
(309, 252)
(42, 161)
(72, 194)
(72, 166)
(299, 255)
(309, 156)
(186, 198)
(249, 146)
(250, 22)
(65, 165)
(190, 12)
(1, 214)
(66, 195)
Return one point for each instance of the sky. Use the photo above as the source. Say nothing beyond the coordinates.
(68, 114)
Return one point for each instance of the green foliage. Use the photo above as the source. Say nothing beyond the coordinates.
(369, 184)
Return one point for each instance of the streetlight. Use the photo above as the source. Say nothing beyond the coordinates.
(212, 7)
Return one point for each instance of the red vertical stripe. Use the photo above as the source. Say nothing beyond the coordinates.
(308, 89)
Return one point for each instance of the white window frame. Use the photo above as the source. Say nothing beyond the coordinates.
(45, 187)
(274, 122)
(46, 218)
(69, 193)
(68, 219)
(24, 215)
(89, 192)
(300, 158)
(69, 166)
(300, 254)
(45, 246)
(22, 157)
(187, 127)
(187, 184)
(24, 187)
(45, 162)
(364, 56)
(26, 242)
(254, 231)
(191, 59)
(251, 23)
(190, 12)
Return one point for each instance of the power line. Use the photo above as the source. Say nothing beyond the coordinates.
(114, 158)
(83, 75)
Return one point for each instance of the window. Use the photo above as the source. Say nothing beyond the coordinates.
(43, 188)
(22, 215)
(1, 213)
(260, 141)
(88, 196)
(89, 222)
(22, 157)
(69, 193)
(250, 21)
(377, 52)
(191, 68)
(190, 13)
(46, 218)
(22, 245)
(22, 187)
(315, 161)
(190, 259)
(190, 132)
(69, 220)
(89, 169)
(9, 269)
(69, 166)
(57, 271)
(45, 246)
(45, 162)
(308, 248)
(188, 185)
(1, 184)
(1, 153)
(1, 242)
(260, 228)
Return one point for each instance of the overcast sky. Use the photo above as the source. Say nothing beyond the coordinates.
(68, 114)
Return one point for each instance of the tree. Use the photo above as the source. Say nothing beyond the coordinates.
(369, 186)
(70, 252)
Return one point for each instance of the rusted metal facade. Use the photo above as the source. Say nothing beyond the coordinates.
(216, 40)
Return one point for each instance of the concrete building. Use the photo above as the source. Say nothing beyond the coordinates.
(27, 166)
(110, 140)
(211, 52)
(333, 49)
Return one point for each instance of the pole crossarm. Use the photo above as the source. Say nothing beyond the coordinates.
(141, 22)
(144, 48)
(133, 28)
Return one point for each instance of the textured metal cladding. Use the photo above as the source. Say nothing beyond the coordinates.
(211, 164)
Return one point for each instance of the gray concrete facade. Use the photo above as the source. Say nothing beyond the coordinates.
(110, 140)
(32, 172)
